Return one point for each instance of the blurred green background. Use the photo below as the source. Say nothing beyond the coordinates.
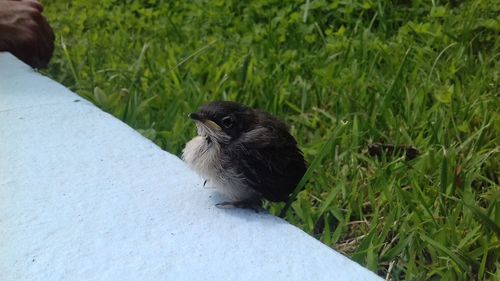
(346, 75)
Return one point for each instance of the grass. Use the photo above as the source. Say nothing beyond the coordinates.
(346, 75)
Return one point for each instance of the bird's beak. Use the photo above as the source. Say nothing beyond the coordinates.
(194, 116)
(209, 123)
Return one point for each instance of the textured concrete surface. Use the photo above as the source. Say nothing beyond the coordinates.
(85, 197)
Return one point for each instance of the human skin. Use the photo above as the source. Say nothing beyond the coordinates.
(25, 32)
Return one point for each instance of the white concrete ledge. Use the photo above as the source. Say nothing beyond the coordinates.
(85, 197)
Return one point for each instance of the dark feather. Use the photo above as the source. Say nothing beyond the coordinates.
(269, 160)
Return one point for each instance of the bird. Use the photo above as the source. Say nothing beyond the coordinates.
(247, 154)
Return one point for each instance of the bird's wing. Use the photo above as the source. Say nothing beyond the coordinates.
(270, 162)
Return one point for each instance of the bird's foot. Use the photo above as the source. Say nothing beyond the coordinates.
(252, 205)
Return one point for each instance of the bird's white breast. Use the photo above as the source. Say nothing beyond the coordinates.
(205, 159)
(202, 157)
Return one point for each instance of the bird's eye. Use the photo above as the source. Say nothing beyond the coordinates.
(227, 122)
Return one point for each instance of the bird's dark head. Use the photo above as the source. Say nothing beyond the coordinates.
(223, 120)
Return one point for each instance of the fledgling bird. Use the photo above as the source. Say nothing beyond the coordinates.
(246, 154)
